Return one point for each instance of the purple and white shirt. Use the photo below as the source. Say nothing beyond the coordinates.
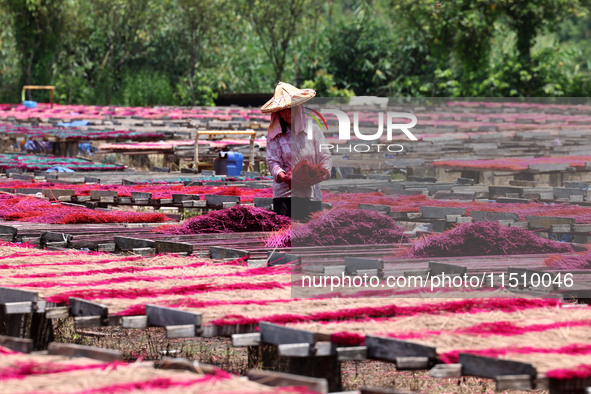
(285, 149)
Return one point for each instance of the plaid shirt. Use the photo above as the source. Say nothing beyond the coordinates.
(285, 149)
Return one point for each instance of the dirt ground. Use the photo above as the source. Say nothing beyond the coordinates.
(152, 344)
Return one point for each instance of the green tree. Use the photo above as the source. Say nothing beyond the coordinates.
(120, 33)
(200, 21)
(530, 17)
(37, 26)
(324, 86)
(449, 32)
(9, 61)
(360, 57)
(275, 23)
(454, 41)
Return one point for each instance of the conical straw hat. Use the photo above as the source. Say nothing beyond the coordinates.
(287, 96)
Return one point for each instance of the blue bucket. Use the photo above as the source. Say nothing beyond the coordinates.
(30, 104)
(235, 162)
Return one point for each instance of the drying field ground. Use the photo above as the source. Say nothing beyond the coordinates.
(152, 344)
(163, 278)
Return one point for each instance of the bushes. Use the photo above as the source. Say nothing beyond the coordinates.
(325, 86)
(146, 88)
(186, 52)
(195, 92)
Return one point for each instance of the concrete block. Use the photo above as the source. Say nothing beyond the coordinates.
(385, 209)
(488, 216)
(540, 222)
(440, 212)
(548, 167)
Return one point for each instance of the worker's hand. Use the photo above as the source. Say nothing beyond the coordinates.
(282, 177)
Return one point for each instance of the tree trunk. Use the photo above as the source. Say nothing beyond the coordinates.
(525, 35)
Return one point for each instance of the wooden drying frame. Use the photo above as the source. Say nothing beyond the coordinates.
(37, 87)
(252, 134)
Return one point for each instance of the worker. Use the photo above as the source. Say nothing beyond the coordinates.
(288, 144)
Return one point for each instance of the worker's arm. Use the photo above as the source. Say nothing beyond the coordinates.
(274, 162)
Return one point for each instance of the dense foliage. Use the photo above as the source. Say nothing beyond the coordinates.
(187, 52)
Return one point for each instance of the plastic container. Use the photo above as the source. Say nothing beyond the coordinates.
(30, 104)
(220, 165)
(235, 162)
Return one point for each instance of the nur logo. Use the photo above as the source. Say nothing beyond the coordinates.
(345, 124)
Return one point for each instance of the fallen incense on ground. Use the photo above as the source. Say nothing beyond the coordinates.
(38, 210)
(514, 163)
(483, 239)
(52, 374)
(570, 262)
(414, 203)
(158, 190)
(33, 163)
(341, 227)
(239, 218)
